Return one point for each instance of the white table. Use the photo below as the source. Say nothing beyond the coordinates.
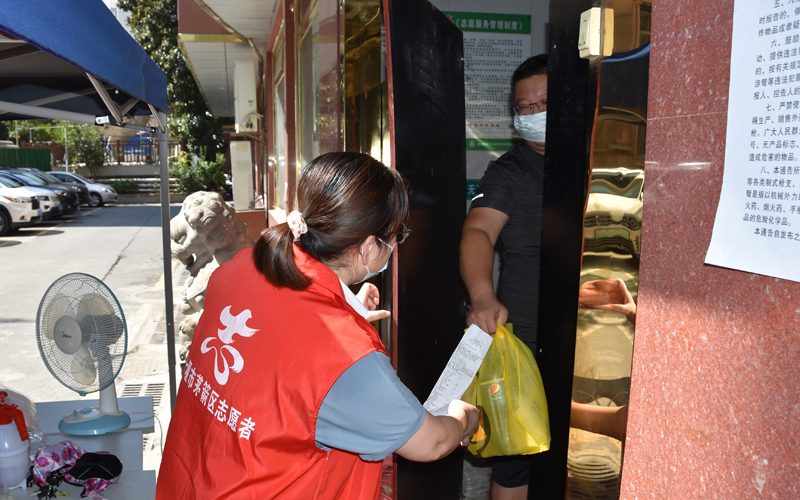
(52, 412)
(134, 483)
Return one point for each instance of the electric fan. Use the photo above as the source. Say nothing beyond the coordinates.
(82, 337)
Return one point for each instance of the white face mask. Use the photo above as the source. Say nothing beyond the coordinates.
(531, 127)
(370, 274)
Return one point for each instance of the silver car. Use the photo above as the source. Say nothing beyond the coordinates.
(99, 194)
(614, 211)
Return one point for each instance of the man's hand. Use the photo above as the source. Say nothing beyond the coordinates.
(467, 414)
(486, 312)
(371, 297)
(608, 295)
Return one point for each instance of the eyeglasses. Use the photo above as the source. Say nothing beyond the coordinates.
(403, 234)
(527, 109)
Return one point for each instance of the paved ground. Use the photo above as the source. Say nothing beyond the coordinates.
(121, 245)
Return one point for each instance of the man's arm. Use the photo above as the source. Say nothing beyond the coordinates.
(478, 237)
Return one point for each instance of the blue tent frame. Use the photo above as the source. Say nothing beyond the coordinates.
(74, 61)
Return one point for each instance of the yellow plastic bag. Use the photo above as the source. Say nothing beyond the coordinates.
(509, 394)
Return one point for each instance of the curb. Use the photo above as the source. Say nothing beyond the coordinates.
(140, 199)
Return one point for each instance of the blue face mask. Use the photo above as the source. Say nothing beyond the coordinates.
(371, 274)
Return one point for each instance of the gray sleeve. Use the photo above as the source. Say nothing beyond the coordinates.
(368, 411)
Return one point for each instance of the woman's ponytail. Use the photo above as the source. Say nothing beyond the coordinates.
(273, 255)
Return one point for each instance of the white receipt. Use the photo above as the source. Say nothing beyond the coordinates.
(460, 370)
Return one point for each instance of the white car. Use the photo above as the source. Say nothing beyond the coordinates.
(48, 199)
(98, 193)
(19, 207)
(613, 219)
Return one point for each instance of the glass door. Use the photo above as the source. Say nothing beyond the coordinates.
(612, 246)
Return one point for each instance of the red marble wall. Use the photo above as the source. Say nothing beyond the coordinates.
(714, 408)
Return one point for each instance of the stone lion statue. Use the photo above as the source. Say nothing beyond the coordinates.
(205, 234)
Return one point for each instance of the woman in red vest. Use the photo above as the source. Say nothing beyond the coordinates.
(288, 392)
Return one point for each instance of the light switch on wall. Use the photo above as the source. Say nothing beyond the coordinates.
(597, 28)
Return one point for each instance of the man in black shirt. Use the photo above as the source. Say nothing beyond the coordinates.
(508, 207)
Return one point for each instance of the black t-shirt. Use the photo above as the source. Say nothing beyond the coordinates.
(512, 184)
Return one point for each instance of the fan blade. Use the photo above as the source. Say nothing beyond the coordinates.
(60, 306)
(92, 304)
(83, 368)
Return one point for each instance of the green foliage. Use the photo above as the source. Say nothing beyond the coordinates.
(126, 186)
(154, 24)
(5, 135)
(84, 142)
(85, 145)
(40, 131)
(196, 174)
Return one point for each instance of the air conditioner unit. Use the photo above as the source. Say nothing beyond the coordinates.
(244, 96)
(242, 173)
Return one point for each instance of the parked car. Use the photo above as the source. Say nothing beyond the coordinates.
(19, 207)
(614, 212)
(99, 194)
(83, 191)
(48, 199)
(68, 198)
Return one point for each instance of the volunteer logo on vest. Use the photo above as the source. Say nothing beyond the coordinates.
(233, 325)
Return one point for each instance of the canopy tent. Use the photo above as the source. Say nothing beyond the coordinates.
(74, 61)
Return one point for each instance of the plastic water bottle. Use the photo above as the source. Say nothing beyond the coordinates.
(14, 459)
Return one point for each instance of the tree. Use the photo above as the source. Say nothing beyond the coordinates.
(39, 131)
(84, 142)
(154, 24)
(194, 175)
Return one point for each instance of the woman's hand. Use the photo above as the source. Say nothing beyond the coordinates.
(466, 413)
(371, 297)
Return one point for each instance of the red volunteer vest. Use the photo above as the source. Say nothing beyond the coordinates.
(262, 360)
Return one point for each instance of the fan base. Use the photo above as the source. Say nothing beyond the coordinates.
(91, 422)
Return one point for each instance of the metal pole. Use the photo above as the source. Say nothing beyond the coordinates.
(66, 150)
(16, 132)
(163, 158)
(39, 112)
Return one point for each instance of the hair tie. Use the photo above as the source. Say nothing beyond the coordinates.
(296, 224)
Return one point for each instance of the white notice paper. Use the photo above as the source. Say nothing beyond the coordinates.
(494, 45)
(757, 228)
(460, 370)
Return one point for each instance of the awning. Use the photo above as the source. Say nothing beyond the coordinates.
(73, 57)
(72, 60)
(214, 34)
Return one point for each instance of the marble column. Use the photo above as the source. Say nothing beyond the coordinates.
(714, 407)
